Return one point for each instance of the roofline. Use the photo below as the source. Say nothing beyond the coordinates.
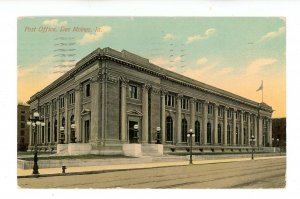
(144, 64)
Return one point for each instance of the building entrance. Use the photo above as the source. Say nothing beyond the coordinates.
(131, 131)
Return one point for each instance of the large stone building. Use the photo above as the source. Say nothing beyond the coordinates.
(108, 92)
(22, 128)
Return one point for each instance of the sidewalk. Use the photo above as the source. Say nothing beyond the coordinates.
(27, 173)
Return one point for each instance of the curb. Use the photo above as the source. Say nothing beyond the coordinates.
(127, 169)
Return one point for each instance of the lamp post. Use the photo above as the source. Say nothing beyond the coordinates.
(136, 129)
(158, 140)
(278, 143)
(73, 138)
(191, 135)
(35, 122)
(252, 145)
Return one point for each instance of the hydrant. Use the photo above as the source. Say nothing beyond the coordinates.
(63, 169)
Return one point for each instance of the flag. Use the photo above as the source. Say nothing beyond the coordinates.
(261, 86)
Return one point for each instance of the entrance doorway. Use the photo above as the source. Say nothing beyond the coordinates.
(131, 131)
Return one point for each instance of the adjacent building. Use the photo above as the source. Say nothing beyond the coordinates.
(279, 132)
(108, 92)
(22, 128)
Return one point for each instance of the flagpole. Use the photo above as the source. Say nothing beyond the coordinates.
(262, 91)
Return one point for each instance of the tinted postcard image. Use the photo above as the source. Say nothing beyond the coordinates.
(151, 102)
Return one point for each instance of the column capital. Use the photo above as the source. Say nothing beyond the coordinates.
(163, 91)
(179, 96)
(216, 105)
(226, 108)
(193, 100)
(79, 87)
(147, 86)
(124, 81)
(205, 102)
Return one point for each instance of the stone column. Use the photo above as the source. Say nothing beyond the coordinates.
(204, 123)
(249, 129)
(78, 97)
(178, 121)
(95, 109)
(242, 128)
(163, 116)
(255, 130)
(58, 119)
(216, 124)
(225, 127)
(192, 118)
(145, 107)
(270, 132)
(66, 119)
(30, 135)
(260, 128)
(123, 108)
(51, 123)
(234, 141)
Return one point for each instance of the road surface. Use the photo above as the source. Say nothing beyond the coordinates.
(269, 173)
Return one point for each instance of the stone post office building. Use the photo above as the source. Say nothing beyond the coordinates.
(108, 92)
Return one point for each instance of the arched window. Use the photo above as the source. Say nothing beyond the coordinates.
(48, 132)
(237, 135)
(63, 122)
(55, 131)
(183, 130)
(197, 131)
(169, 129)
(72, 121)
(219, 134)
(228, 134)
(208, 133)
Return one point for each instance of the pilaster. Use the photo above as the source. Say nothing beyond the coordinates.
(242, 136)
(145, 108)
(163, 116)
(124, 83)
(225, 127)
(234, 141)
(178, 115)
(204, 123)
(78, 102)
(216, 124)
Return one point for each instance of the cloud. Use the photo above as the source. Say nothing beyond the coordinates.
(257, 65)
(272, 35)
(202, 60)
(54, 22)
(209, 32)
(168, 37)
(88, 37)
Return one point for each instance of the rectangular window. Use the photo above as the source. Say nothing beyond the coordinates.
(170, 100)
(88, 90)
(23, 118)
(54, 105)
(220, 112)
(184, 103)
(210, 109)
(229, 113)
(23, 111)
(61, 102)
(198, 107)
(22, 140)
(72, 98)
(133, 92)
(22, 133)
(22, 125)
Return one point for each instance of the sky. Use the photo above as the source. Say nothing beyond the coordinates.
(235, 54)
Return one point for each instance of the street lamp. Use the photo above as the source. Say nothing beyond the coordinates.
(191, 135)
(158, 140)
(278, 144)
(73, 138)
(252, 145)
(34, 123)
(136, 138)
(62, 135)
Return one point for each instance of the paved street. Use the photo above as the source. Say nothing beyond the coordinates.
(268, 173)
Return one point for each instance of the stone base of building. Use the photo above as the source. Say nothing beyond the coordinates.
(74, 149)
(152, 149)
(132, 150)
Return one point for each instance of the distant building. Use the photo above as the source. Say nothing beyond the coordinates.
(279, 132)
(109, 92)
(23, 130)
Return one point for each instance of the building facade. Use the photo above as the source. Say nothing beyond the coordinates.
(22, 128)
(108, 92)
(279, 133)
